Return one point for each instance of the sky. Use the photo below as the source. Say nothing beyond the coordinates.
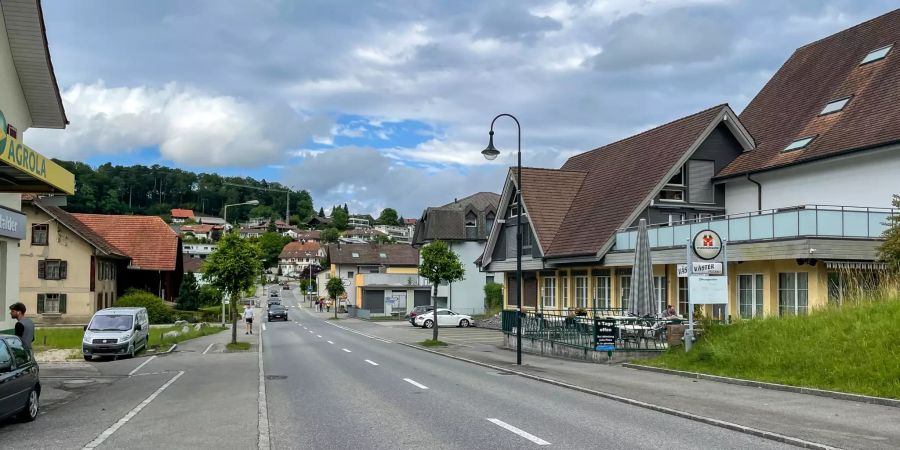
(388, 103)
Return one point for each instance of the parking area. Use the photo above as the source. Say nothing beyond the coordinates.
(470, 337)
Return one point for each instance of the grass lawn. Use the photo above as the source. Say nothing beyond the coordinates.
(854, 349)
(433, 343)
(57, 337)
(156, 341)
(234, 346)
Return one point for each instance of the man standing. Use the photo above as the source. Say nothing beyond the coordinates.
(24, 325)
(248, 318)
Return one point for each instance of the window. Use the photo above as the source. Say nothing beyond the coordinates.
(382, 255)
(683, 307)
(750, 295)
(471, 220)
(601, 291)
(835, 106)
(624, 290)
(527, 240)
(513, 210)
(51, 303)
(703, 217)
(563, 290)
(19, 353)
(39, 234)
(799, 143)
(671, 195)
(489, 279)
(793, 293)
(5, 356)
(548, 296)
(678, 178)
(700, 186)
(581, 291)
(12, 131)
(659, 287)
(52, 269)
(676, 219)
(878, 53)
(489, 221)
(355, 255)
(350, 274)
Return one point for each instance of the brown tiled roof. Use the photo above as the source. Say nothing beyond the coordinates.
(370, 254)
(619, 176)
(309, 235)
(547, 195)
(448, 222)
(182, 213)
(150, 243)
(300, 250)
(788, 107)
(409, 221)
(69, 221)
(196, 228)
(192, 265)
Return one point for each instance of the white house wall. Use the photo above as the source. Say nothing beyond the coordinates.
(467, 296)
(865, 179)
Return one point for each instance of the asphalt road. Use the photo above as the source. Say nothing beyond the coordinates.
(329, 388)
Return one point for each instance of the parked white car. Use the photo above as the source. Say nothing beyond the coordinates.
(446, 318)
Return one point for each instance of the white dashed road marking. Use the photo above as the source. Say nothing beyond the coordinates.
(208, 348)
(344, 349)
(143, 364)
(330, 342)
(415, 383)
(372, 362)
(522, 433)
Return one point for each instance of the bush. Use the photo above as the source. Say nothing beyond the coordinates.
(493, 296)
(157, 311)
(210, 296)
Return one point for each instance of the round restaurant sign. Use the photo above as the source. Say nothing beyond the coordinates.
(707, 244)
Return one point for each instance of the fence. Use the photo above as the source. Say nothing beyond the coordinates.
(630, 333)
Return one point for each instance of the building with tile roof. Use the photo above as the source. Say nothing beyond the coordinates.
(181, 215)
(357, 263)
(297, 256)
(821, 132)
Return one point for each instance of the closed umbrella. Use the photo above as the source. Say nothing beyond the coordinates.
(642, 300)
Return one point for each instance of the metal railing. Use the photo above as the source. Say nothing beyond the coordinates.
(782, 223)
(631, 333)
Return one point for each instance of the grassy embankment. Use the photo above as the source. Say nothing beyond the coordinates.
(70, 337)
(853, 349)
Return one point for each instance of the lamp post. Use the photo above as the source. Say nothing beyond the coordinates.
(251, 202)
(490, 153)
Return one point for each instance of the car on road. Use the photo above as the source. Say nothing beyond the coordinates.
(418, 310)
(274, 293)
(446, 318)
(285, 287)
(278, 312)
(20, 384)
(115, 332)
(273, 302)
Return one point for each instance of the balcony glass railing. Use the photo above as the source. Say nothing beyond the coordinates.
(784, 223)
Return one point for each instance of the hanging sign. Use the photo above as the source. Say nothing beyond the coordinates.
(707, 244)
(700, 268)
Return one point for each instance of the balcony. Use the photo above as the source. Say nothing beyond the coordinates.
(785, 223)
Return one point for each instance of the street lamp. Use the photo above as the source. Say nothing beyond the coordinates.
(251, 202)
(490, 153)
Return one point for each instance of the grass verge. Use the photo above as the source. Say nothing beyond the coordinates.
(237, 346)
(854, 349)
(156, 341)
(385, 318)
(432, 343)
(57, 338)
(334, 318)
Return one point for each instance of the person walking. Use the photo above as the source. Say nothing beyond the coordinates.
(24, 326)
(248, 319)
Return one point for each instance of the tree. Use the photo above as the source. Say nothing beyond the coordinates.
(382, 239)
(270, 246)
(263, 211)
(401, 222)
(339, 218)
(330, 235)
(321, 212)
(271, 227)
(439, 265)
(335, 288)
(889, 252)
(189, 295)
(232, 269)
(388, 217)
(346, 209)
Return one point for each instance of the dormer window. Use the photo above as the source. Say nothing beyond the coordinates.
(877, 54)
(799, 144)
(678, 178)
(489, 221)
(835, 106)
(471, 219)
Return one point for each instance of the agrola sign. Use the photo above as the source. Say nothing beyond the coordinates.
(707, 244)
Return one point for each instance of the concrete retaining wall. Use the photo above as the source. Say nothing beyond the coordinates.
(545, 348)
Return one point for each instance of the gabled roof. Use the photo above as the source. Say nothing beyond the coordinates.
(300, 250)
(448, 222)
(547, 196)
(788, 107)
(182, 213)
(74, 225)
(621, 178)
(190, 264)
(197, 228)
(371, 254)
(150, 243)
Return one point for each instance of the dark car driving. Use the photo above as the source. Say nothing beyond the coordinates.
(277, 312)
(20, 385)
(411, 316)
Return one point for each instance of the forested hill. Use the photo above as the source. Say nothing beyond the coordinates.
(155, 190)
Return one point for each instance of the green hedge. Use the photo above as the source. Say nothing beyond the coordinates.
(157, 311)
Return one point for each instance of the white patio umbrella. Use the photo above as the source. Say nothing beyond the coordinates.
(642, 301)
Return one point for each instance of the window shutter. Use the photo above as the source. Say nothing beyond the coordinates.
(40, 303)
(42, 269)
(700, 188)
(63, 269)
(62, 303)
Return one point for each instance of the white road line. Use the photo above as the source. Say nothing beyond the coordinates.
(310, 331)
(330, 342)
(415, 383)
(522, 433)
(360, 333)
(208, 348)
(371, 362)
(318, 335)
(344, 349)
(142, 365)
(264, 327)
(109, 431)
(262, 411)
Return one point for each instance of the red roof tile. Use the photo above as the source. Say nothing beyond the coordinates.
(182, 213)
(547, 196)
(197, 228)
(150, 243)
(300, 250)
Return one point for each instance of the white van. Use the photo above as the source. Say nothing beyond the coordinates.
(115, 332)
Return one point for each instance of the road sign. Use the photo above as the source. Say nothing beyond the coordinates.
(606, 335)
(346, 281)
(227, 302)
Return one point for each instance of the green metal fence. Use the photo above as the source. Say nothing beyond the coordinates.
(631, 333)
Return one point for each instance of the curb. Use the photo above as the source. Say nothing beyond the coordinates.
(882, 401)
(662, 409)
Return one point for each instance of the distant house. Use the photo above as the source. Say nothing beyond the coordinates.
(308, 235)
(201, 231)
(297, 256)
(316, 222)
(182, 215)
(210, 220)
(193, 266)
(464, 225)
(363, 234)
(198, 251)
(251, 232)
(398, 234)
(359, 222)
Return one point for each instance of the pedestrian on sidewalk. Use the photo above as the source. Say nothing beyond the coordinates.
(24, 326)
(248, 318)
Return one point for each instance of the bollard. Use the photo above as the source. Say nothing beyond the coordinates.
(688, 340)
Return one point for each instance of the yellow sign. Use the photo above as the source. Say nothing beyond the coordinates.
(24, 158)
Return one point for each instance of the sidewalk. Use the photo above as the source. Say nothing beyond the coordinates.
(833, 422)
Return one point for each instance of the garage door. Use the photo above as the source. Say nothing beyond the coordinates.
(373, 301)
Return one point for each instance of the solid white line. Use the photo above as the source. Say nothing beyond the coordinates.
(344, 349)
(416, 384)
(330, 342)
(142, 365)
(264, 327)
(522, 433)
(208, 348)
(372, 362)
(262, 411)
(109, 431)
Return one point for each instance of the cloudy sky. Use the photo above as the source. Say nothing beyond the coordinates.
(388, 103)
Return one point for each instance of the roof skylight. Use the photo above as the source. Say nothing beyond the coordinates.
(835, 106)
(355, 255)
(878, 53)
(382, 255)
(799, 143)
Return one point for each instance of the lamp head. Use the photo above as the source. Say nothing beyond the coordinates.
(253, 202)
(490, 152)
